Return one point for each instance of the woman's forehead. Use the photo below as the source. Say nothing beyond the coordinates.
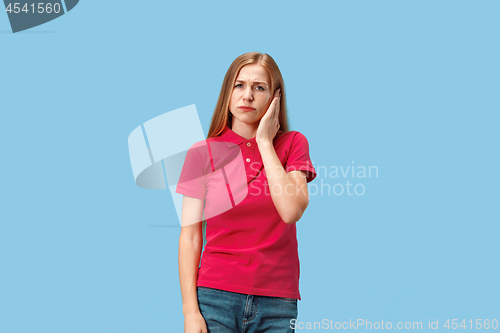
(252, 73)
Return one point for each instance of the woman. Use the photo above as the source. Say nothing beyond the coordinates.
(248, 180)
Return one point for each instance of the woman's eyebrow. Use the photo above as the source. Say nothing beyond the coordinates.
(253, 82)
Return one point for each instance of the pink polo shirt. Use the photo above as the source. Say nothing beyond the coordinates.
(249, 248)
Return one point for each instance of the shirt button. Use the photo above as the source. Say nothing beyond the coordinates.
(249, 144)
(248, 160)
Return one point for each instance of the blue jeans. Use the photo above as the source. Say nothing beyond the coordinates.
(228, 312)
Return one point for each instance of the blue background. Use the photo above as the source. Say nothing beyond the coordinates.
(409, 87)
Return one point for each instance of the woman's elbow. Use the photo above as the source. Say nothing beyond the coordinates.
(294, 215)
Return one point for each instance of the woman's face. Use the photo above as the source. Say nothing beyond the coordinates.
(252, 90)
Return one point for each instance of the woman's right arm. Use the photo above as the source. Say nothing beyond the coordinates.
(190, 246)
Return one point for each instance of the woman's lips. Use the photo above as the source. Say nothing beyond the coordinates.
(246, 108)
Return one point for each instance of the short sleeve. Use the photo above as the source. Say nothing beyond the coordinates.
(193, 181)
(298, 158)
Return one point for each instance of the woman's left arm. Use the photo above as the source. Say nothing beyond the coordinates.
(288, 190)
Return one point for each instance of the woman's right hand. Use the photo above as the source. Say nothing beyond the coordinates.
(194, 323)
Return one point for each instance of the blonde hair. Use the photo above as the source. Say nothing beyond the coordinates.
(222, 116)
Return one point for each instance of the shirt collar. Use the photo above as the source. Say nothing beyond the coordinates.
(232, 139)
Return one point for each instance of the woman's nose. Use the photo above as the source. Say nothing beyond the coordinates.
(248, 95)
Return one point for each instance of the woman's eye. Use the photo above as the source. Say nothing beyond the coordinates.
(260, 88)
(238, 85)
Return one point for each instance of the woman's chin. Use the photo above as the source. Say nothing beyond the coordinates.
(249, 120)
